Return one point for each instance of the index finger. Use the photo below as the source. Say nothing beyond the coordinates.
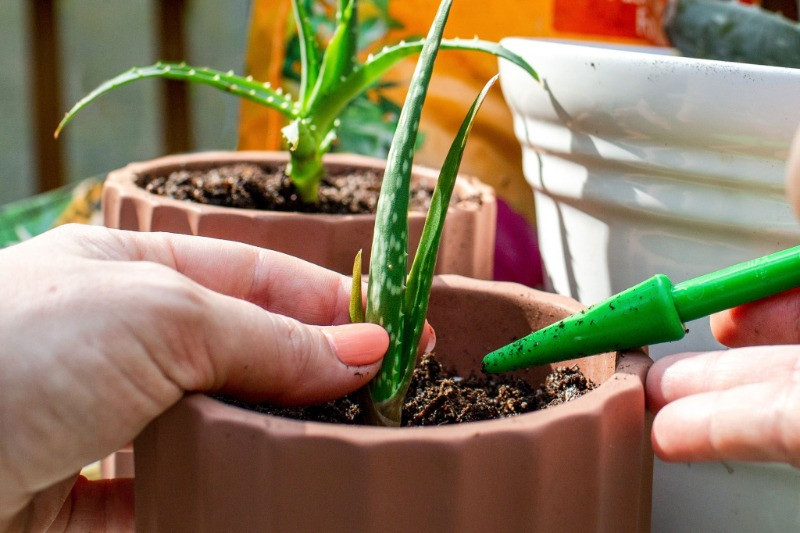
(680, 375)
(274, 281)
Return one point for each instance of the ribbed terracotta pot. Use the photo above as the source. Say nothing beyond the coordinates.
(331, 241)
(581, 466)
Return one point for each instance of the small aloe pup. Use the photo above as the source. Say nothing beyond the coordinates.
(330, 80)
(395, 300)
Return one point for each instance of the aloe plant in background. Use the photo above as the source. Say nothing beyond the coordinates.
(330, 79)
(396, 298)
(367, 124)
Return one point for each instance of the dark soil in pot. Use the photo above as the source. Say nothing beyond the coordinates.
(437, 397)
(252, 186)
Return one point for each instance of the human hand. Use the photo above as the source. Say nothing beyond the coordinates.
(739, 404)
(102, 330)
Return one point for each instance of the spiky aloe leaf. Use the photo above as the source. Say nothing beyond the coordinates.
(309, 50)
(224, 81)
(420, 277)
(350, 48)
(377, 65)
(356, 306)
(362, 395)
(337, 61)
(387, 271)
(729, 31)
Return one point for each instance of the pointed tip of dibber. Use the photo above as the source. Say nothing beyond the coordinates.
(644, 314)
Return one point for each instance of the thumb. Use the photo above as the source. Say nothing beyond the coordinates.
(261, 356)
(772, 320)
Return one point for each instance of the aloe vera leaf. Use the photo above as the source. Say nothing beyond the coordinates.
(356, 306)
(420, 277)
(350, 49)
(387, 272)
(228, 82)
(730, 31)
(305, 158)
(376, 66)
(337, 59)
(356, 316)
(368, 126)
(309, 50)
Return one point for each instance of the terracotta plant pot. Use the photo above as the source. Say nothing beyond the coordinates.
(581, 466)
(329, 240)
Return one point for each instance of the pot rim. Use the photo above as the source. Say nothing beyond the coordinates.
(664, 58)
(122, 181)
(628, 377)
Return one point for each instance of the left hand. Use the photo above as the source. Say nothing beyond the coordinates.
(103, 330)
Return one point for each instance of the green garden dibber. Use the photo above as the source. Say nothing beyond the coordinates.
(649, 313)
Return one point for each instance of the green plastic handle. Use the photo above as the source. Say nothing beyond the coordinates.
(649, 313)
(742, 283)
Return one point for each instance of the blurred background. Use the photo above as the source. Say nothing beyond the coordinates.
(52, 52)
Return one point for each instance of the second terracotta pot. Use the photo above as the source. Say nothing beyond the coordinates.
(586, 465)
(467, 246)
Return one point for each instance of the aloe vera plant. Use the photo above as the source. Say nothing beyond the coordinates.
(330, 79)
(396, 298)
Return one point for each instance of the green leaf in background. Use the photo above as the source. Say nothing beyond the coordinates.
(729, 31)
(29, 217)
(368, 124)
(381, 62)
(243, 87)
(307, 48)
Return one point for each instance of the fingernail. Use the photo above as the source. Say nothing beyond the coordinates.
(358, 344)
(431, 339)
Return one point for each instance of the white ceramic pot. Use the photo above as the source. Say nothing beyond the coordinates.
(645, 163)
